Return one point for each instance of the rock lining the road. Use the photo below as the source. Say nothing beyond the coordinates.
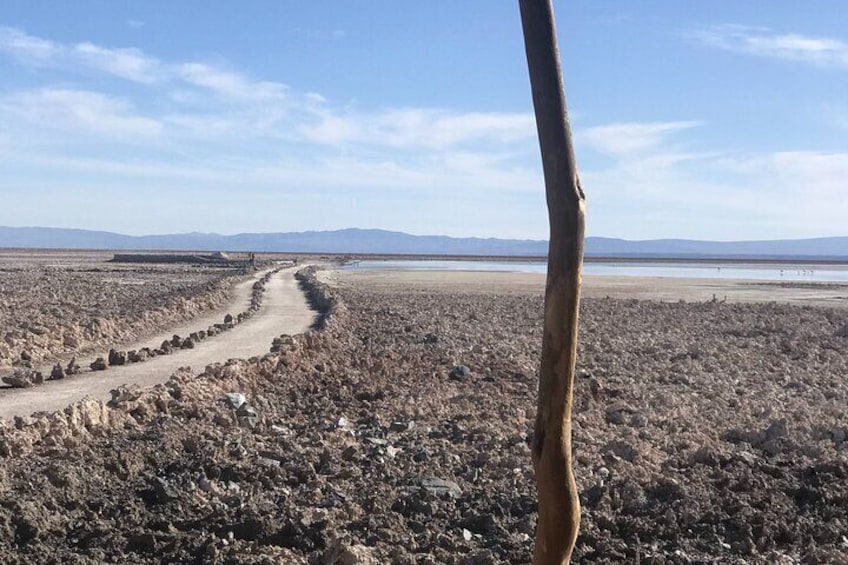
(24, 378)
(75, 309)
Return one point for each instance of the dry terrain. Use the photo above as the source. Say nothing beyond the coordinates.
(54, 304)
(261, 307)
(705, 432)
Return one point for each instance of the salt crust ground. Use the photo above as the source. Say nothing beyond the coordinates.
(51, 311)
(704, 433)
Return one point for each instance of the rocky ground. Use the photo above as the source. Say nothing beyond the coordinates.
(704, 433)
(49, 310)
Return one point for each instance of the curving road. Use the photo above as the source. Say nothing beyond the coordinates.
(284, 310)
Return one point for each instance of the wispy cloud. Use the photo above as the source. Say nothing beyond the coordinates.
(228, 83)
(78, 110)
(186, 129)
(765, 42)
(630, 138)
(417, 127)
(130, 64)
(175, 125)
(134, 65)
(18, 44)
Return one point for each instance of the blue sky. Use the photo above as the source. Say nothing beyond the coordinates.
(711, 120)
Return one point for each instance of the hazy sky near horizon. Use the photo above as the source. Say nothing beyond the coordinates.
(710, 120)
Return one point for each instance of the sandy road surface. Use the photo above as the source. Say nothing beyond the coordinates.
(284, 310)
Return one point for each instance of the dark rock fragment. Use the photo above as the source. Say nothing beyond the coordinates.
(117, 358)
(58, 372)
(459, 373)
(73, 367)
(98, 364)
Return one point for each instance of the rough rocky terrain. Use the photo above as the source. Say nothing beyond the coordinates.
(49, 310)
(704, 433)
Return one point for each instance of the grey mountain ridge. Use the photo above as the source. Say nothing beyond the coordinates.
(375, 241)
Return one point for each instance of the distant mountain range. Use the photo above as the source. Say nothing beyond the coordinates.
(351, 241)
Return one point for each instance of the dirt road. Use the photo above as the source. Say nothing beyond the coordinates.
(284, 311)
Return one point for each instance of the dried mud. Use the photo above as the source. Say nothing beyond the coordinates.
(704, 433)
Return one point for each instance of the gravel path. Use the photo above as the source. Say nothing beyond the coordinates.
(284, 311)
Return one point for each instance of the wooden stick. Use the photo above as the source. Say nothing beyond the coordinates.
(559, 505)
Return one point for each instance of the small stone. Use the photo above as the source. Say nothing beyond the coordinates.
(58, 373)
(18, 379)
(236, 399)
(376, 441)
(117, 357)
(400, 426)
(440, 487)
(459, 373)
(138, 356)
(98, 364)
(73, 367)
(466, 535)
(176, 341)
(247, 415)
(341, 554)
(163, 491)
(228, 319)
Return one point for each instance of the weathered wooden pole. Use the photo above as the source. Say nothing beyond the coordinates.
(559, 505)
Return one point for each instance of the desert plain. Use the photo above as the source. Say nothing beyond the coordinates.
(393, 425)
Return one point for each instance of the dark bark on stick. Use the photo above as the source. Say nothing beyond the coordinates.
(559, 506)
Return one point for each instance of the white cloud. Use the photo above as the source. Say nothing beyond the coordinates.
(229, 84)
(78, 111)
(419, 127)
(764, 42)
(130, 64)
(709, 194)
(27, 48)
(182, 126)
(628, 138)
(136, 66)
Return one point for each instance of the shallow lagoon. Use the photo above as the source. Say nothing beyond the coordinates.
(689, 270)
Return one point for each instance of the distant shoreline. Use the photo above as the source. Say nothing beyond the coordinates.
(305, 256)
